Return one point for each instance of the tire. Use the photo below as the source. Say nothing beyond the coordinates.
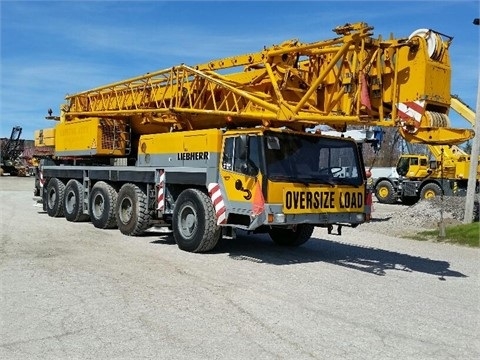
(430, 191)
(291, 237)
(54, 197)
(194, 222)
(102, 205)
(73, 202)
(385, 192)
(131, 211)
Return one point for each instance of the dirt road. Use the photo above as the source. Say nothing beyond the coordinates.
(71, 291)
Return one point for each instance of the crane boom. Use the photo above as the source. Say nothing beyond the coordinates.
(352, 79)
(463, 109)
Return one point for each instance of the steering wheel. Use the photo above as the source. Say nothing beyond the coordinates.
(330, 171)
(335, 170)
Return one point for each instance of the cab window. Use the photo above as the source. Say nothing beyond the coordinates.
(231, 154)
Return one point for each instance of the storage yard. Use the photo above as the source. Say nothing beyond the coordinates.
(207, 210)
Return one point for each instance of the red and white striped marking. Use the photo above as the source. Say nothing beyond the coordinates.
(161, 191)
(41, 179)
(217, 199)
(411, 110)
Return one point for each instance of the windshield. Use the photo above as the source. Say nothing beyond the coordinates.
(312, 159)
(403, 165)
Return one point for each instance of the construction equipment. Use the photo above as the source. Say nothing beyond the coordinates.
(10, 153)
(208, 149)
(444, 170)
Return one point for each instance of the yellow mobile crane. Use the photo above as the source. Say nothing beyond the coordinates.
(208, 149)
(444, 171)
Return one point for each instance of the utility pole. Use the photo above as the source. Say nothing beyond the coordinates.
(472, 174)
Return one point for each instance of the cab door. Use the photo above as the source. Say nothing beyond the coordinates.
(240, 173)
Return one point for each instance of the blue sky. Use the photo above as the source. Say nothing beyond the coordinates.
(49, 49)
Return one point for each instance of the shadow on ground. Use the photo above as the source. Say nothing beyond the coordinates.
(260, 249)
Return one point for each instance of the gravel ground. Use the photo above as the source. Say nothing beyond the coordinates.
(72, 291)
(401, 220)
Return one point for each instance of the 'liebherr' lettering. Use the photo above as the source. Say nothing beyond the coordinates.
(322, 200)
(196, 155)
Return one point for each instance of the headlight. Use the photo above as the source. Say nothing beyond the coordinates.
(360, 217)
(279, 218)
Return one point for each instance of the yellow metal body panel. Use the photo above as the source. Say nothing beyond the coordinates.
(181, 142)
(420, 77)
(249, 183)
(92, 136)
(45, 137)
(448, 167)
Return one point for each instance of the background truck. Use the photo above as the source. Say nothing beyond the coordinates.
(208, 149)
(443, 169)
(11, 151)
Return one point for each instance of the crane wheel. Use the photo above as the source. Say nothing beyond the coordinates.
(103, 201)
(133, 216)
(292, 237)
(385, 192)
(73, 202)
(430, 191)
(54, 197)
(195, 226)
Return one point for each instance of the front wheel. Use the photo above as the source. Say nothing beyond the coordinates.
(297, 236)
(385, 192)
(195, 226)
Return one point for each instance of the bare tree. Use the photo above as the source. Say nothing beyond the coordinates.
(390, 150)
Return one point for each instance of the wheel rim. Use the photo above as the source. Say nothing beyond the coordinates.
(188, 222)
(98, 206)
(52, 198)
(70, 201)
(126, 210)
(429, 194)
(383, 192)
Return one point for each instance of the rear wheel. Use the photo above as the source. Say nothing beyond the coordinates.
(430, 191)
(73, 202)
(385, 192)
(103, 201)
(297, 236)
(54, 197)
(195, 226)
(133, 216)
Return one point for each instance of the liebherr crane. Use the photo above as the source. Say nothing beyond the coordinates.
(219, 146)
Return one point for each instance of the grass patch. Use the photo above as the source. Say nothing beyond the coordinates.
(465, 234)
